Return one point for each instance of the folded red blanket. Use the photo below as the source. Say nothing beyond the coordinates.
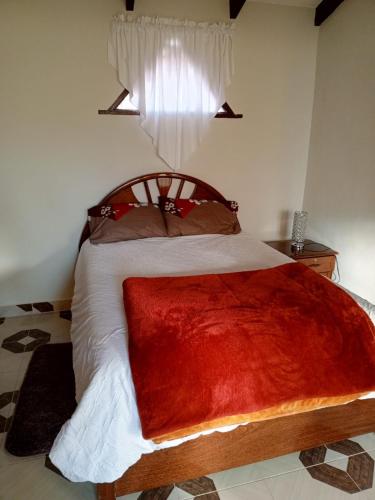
(212, 350)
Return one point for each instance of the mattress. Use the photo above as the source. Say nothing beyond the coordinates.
(103, 438)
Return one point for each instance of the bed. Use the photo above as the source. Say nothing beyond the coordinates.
(103, 442)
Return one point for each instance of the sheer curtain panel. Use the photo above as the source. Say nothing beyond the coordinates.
(176, 73)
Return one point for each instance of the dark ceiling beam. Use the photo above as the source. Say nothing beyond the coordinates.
(325, 9)
(129, 4)
(234, 7)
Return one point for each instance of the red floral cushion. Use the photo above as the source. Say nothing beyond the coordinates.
(114, 211)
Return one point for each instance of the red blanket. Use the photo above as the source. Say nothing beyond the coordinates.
(220, 349)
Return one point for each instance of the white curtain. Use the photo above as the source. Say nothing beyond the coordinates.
(176, 73)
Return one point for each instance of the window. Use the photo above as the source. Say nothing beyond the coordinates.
(123, 106)
(177, 72)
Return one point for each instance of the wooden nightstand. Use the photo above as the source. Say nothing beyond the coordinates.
(319, 257)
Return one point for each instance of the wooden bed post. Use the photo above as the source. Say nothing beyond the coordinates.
(106, 491)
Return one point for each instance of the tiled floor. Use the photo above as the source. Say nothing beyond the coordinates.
(332, 472)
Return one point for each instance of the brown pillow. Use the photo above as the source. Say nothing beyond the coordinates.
(188, 217)
(125, 221)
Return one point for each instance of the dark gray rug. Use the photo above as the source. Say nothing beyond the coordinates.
(46, 400)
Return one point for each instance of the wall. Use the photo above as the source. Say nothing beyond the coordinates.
(58, 156)
(340, 187)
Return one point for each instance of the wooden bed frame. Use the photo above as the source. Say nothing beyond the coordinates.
(248, 443)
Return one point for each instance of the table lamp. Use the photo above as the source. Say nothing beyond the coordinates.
(299, 228)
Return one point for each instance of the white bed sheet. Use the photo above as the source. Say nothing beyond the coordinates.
(103, 438)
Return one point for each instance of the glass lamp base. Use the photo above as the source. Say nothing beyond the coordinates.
(298, 245)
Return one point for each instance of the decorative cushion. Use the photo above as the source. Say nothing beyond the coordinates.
(184, 217)
(125, 221)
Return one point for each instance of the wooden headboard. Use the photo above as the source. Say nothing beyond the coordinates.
(148, 188)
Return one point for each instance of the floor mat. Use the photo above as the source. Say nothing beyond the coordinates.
(46, 400)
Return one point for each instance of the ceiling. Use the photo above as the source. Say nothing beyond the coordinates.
(295, 3)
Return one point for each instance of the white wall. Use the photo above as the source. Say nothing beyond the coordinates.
(58, 156)
(340, 187)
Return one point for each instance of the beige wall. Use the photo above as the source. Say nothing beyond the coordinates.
(58, 156)
(340, 187)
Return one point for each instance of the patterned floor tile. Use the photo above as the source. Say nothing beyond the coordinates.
(36, 308)
(132, 496)
(257, 471)
(367, 441)
(164, 493)
(202, 488)
(66, 315)
(332, 456)
(368, 493)
(198, 486)
(301, 485)
(8, 381)
(43, 307)
(13, 311)
(346, 465)
(346, 447)
(237, 476)
(361, 470)
(32, 481)
(25, 340)
(282, 465)
(57, 326)
(10, 360)
(253, 491)
(25, 307)
(53, 326)
(364, 495)
(14, 325)
(352, 446)
(7, 405)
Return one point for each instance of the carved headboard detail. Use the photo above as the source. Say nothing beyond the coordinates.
(147, 188)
